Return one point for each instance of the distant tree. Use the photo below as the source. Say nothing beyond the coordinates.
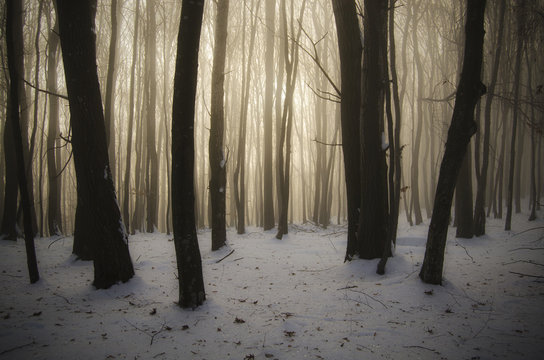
(126, 184)
(54, 217)
(191, 282)
(14, 29)
(96, 194)
(479, 211)
(268, 178)
(109, 108)
(350, 50)
(462, 127)
(521, 15)
(218, 177)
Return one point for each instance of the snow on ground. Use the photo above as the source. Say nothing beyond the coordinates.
(288, 299)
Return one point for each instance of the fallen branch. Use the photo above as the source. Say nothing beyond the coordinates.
(17, 348)
(464, 248)
(419, 347)
(527, 248)
(152, 336)
(529, 275)
(348, 287)
(224, 257)
(54, 241)
(373, 298)
(524, 231)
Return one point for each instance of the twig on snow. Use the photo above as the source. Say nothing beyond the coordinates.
(224, 257)
(419, 347)
(529, 275)
(153, 334)
(17, 347)
(527, 248)
(464, 248)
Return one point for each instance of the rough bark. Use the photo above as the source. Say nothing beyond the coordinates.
(191, 282)
(218, 177)
(372, 235)
(350, 50)
(96, 193)
(462, 128)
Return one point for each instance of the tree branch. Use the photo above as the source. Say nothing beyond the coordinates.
(46, 91)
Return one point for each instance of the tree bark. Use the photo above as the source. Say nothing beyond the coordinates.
(109, 108)
(350, 50)
(191, 282)
(14, 30)
(463, 198)
(96, 193)
(218, 177)
(462, 128)
(372, 235)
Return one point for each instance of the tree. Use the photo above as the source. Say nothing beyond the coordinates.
(521, 15)
(96, 194)
(479, 211)
(54, 180)
(462, 127)
(350, 50)
(191, 282)
(14, 29)
(126, 187)
(372, 234)
(463, 199)
(110, 88)
(268, 203)
(218, 177)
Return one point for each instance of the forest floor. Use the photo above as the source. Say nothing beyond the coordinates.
(288, 299)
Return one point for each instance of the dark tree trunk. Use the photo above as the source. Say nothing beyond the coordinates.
(517, 75)
(14, 29)
(463, 198)
(9, 217)
(268, 202)
(479, 211)
(191, 282)
(372, 235)
(96, 194)
(462, 128)
(218, 177)
(350, 50)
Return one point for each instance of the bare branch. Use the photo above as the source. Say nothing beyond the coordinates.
(45, 91)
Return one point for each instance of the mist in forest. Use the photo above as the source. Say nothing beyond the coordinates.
(281, 141)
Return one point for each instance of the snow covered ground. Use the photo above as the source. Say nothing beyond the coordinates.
(288, 299)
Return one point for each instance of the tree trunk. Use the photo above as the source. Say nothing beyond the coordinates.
(350, 50)
(191, 282)
(152, 163)
(268, 202)
(218, 177)
(479, 211)
(463, 198)
(517, 75)
(110, 89)
(126, 191)
(14, 31)
(462, 128)
(96, 193)
(372, 235)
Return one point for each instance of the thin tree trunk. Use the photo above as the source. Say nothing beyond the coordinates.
(109, 109)
(268, 202)
(517, 76)
(126, 191)
(479, 211)
(14, 30)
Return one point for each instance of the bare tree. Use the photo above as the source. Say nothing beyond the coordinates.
(462, 127)
(102, 223)
(191, 283)
(218, 177)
